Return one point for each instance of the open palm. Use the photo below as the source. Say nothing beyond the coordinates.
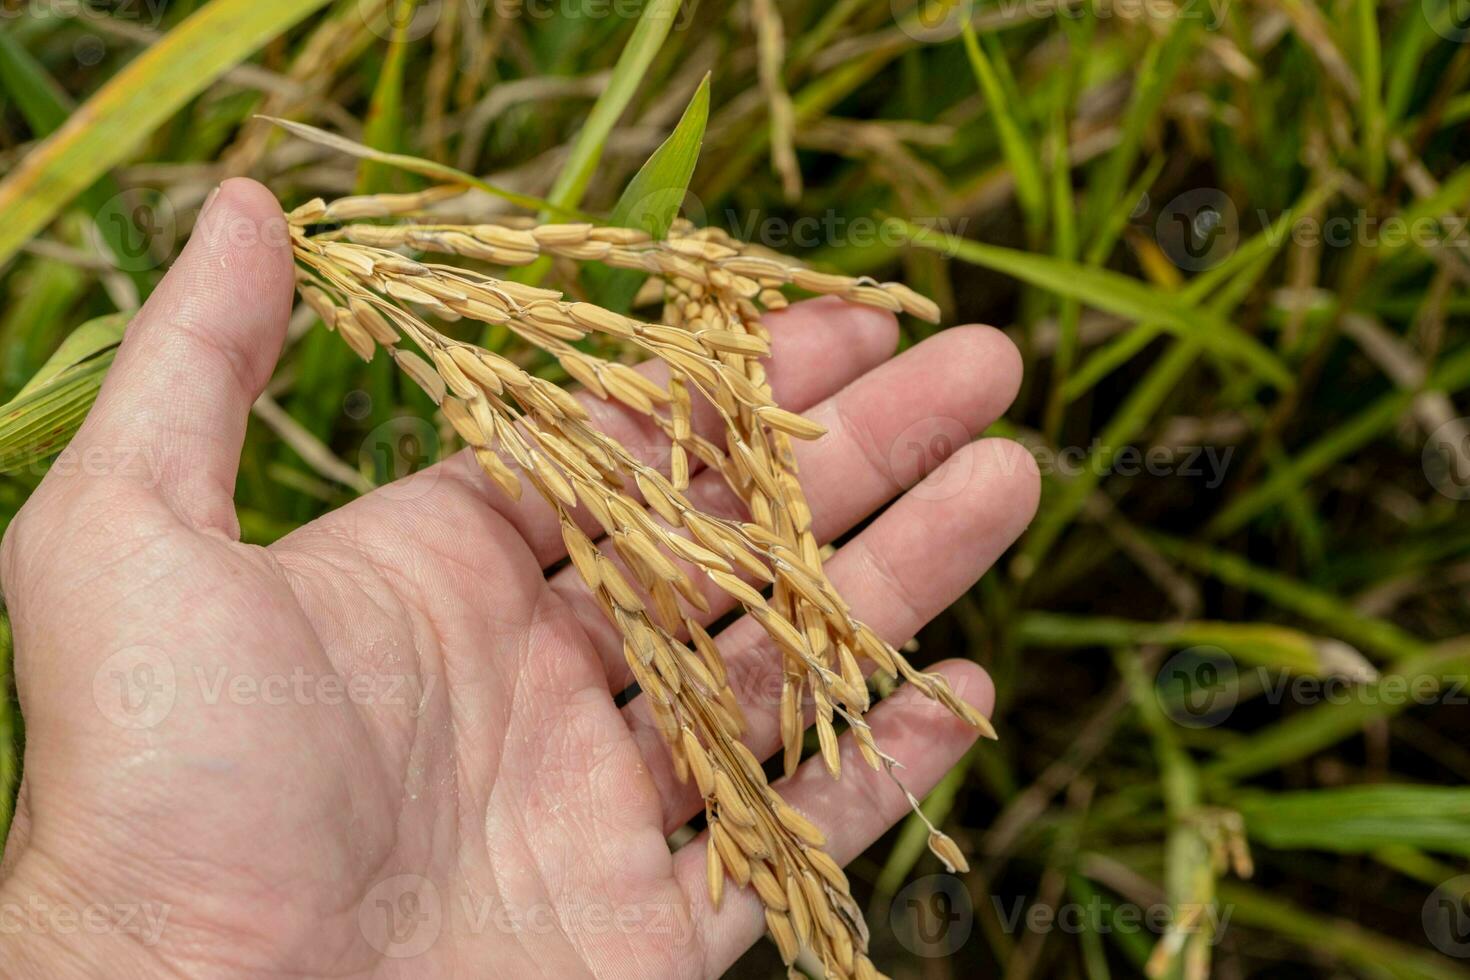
(389, 743)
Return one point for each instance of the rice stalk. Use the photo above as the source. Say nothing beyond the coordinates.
(657, 547)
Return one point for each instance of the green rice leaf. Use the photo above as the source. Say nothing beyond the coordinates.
(1262, 644)
(1116, 294)
(653, 197)
(1361, 819)
(1020, 152)
(132, 104)
(44, 103)
(41, 420)
(1352, 434)
(384, 126)
(653, 27)
(1370, 105)
(85, 342)
(46, 107)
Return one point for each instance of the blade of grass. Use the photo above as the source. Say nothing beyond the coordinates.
(632, 64)
(1371, 952)
(40, 99)
(1064, 225)
(85, 342)
(1266, 644)
(46, 107)
(1408, 684)
(1361, 819)
(1415, 36)
(1189, 873)
(648, 36)
(1370, 105)
(1150, 85)
(35, 318)
(40, 422)
(1224, 284)
(1092, 927)
(1114, 293)
(1450, 377)
(652, 199)
(384, 125)
(1019, 151)
(1284, 592)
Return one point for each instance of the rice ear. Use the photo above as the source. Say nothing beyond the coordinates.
(664, 564)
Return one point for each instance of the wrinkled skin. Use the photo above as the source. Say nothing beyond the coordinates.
(205, 800)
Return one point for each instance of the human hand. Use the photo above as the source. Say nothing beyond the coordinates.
(388, 745)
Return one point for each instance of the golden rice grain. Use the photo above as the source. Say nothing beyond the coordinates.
(949, 852)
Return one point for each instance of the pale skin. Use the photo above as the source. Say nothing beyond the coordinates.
(481, 794)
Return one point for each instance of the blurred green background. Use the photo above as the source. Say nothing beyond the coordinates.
(1229, 237)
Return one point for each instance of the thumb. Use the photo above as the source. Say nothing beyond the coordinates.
(173, 410)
